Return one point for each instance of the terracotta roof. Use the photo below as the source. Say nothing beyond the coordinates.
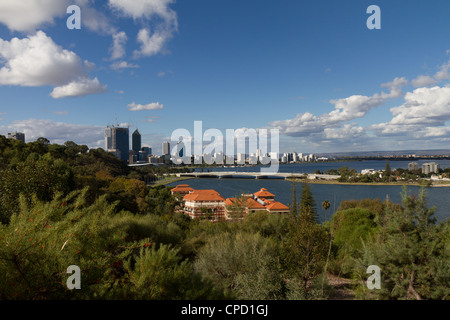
(204, 195)
(263, 193)
(253, 204)
(276, 206)
(182, 188)
(250, 203)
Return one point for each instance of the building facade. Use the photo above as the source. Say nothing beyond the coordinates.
(206, 204)
(413, 166)
(165, 148)
(117, 142)
(17, 136)
(209, 204)
(430, 167)
(136, 141)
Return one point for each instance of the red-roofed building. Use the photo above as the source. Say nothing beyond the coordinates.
(235, 210)
(264, 194)
(277, 207)
(205, 204)
(211, 205)
(181, 190)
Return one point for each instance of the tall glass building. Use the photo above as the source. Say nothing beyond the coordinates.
(136, 141)
(117, 141)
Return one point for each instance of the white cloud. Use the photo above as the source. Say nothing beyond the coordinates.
(38, 61)
(151, 44)
(347, 132)
(93, 19)
(346, 109)
(121, 65)
(27, 15)
(144, 8)
(163, 18)
(79, 88)
(440, 75)
(139, 107)
(118, 49)
(58, 132)
(423, 81)
(425, 110)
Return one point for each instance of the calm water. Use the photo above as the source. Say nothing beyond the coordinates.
(437, 196)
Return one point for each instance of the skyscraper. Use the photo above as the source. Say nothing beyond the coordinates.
(17, 136)
(165, 148)
(108, 138)
(136, 141)
(117, 141)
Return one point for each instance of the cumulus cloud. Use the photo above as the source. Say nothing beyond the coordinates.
(79, 88)
(346, 109)
(426, 80)
(151, 44)
(144, 8)
(118, 48)
(140, 107)
(38, 61)
(27, 15)
(95, 20)
(425, 110)
(30, 15)
(163, 18)
(58, 132)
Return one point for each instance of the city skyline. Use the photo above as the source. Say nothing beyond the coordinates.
(312, 70)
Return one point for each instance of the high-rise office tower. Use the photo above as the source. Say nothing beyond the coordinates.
(136, 141)
(108, 138)
(117, 141)
(165, 148)
(17, 136)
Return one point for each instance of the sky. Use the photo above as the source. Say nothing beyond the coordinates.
(311, 69)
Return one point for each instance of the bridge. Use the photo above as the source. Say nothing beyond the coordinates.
(257, 175)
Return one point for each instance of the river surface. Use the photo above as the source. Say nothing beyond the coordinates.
(335, 193)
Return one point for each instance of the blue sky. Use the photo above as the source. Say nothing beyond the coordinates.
(311, 69)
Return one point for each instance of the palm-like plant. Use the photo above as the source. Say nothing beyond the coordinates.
(326, 205)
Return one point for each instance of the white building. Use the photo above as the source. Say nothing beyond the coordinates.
(430, 167)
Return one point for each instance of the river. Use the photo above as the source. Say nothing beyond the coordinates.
(335, 193)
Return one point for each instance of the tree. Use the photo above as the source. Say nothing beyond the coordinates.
(387, 172)
(412, 252)
(245, 264)
(39, 176)
(307, 202)
(326, 205)
(294, 205)
(304, 252)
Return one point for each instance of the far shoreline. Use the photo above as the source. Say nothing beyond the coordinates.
(165, 182)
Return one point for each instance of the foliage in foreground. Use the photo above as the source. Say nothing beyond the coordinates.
(45, 238)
